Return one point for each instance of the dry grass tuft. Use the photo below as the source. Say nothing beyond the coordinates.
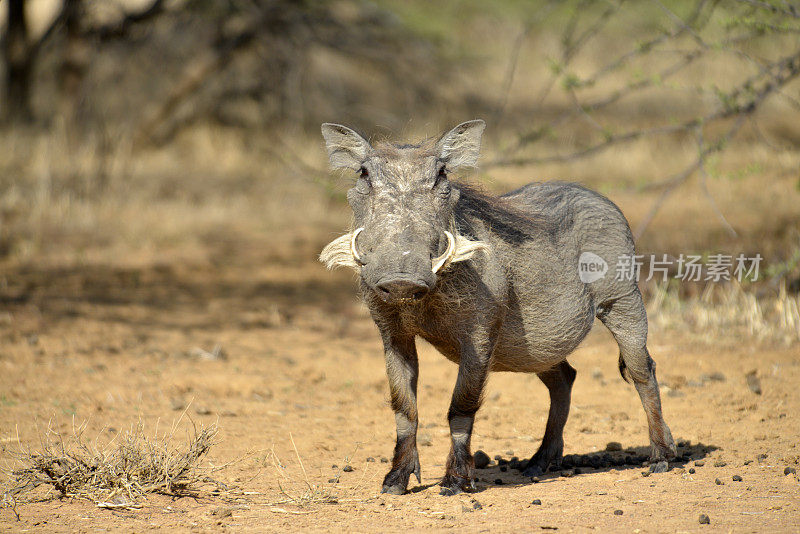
(304, 493)
(118, 473)
(730, 311)
(296, 488)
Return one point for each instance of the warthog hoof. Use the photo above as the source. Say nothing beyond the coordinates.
(454, 486)
(533, 471)
(393, 490)
(664, 450)
(396, 481)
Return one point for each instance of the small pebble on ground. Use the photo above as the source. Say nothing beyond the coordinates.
(704, 519)
(481, 459)
(222, 511)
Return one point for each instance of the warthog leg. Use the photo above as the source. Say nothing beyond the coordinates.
(402, 368)
(627, 320)
(473, 369)
(559, 382)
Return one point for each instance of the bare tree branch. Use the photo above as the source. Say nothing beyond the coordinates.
(704, 185)
(679, 179)
(730, 104)
(195, 75)
(511, 69)
(789, 11)
(122, 27)
(788, 68)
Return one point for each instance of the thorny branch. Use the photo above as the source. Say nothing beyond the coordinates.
(571, 50)
(744, 23)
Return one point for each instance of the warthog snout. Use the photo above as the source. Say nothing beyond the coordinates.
(397, 266)
(398, 289)
(405, 235)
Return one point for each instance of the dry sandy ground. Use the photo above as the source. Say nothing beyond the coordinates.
(302, 361)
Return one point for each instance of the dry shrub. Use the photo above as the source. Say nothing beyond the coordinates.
(118, 473)
(731, 311)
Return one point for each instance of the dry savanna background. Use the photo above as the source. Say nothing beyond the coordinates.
(173, 356)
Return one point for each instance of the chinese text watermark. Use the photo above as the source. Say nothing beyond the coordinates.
(686, 267)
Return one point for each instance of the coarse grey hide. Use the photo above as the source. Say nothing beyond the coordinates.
(508, 283)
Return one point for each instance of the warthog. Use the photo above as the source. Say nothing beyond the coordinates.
(492, 282)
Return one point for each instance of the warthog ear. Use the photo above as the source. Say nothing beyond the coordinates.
(346, 149)
(461, 146)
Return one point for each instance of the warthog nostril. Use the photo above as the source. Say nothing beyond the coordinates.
(383, 290)
(397, 290)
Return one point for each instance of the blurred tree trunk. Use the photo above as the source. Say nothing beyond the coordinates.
(19, 64)
(73, 62)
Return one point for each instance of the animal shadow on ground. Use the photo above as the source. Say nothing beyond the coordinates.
(508, 471)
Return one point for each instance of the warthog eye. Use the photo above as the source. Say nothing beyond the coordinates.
(441, 178)
(363, 184)
(441, 175)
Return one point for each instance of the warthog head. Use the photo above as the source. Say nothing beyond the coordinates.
(403, 207)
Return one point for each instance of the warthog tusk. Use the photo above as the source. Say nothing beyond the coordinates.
(343, 252)
(353, 246)
(445, 258)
